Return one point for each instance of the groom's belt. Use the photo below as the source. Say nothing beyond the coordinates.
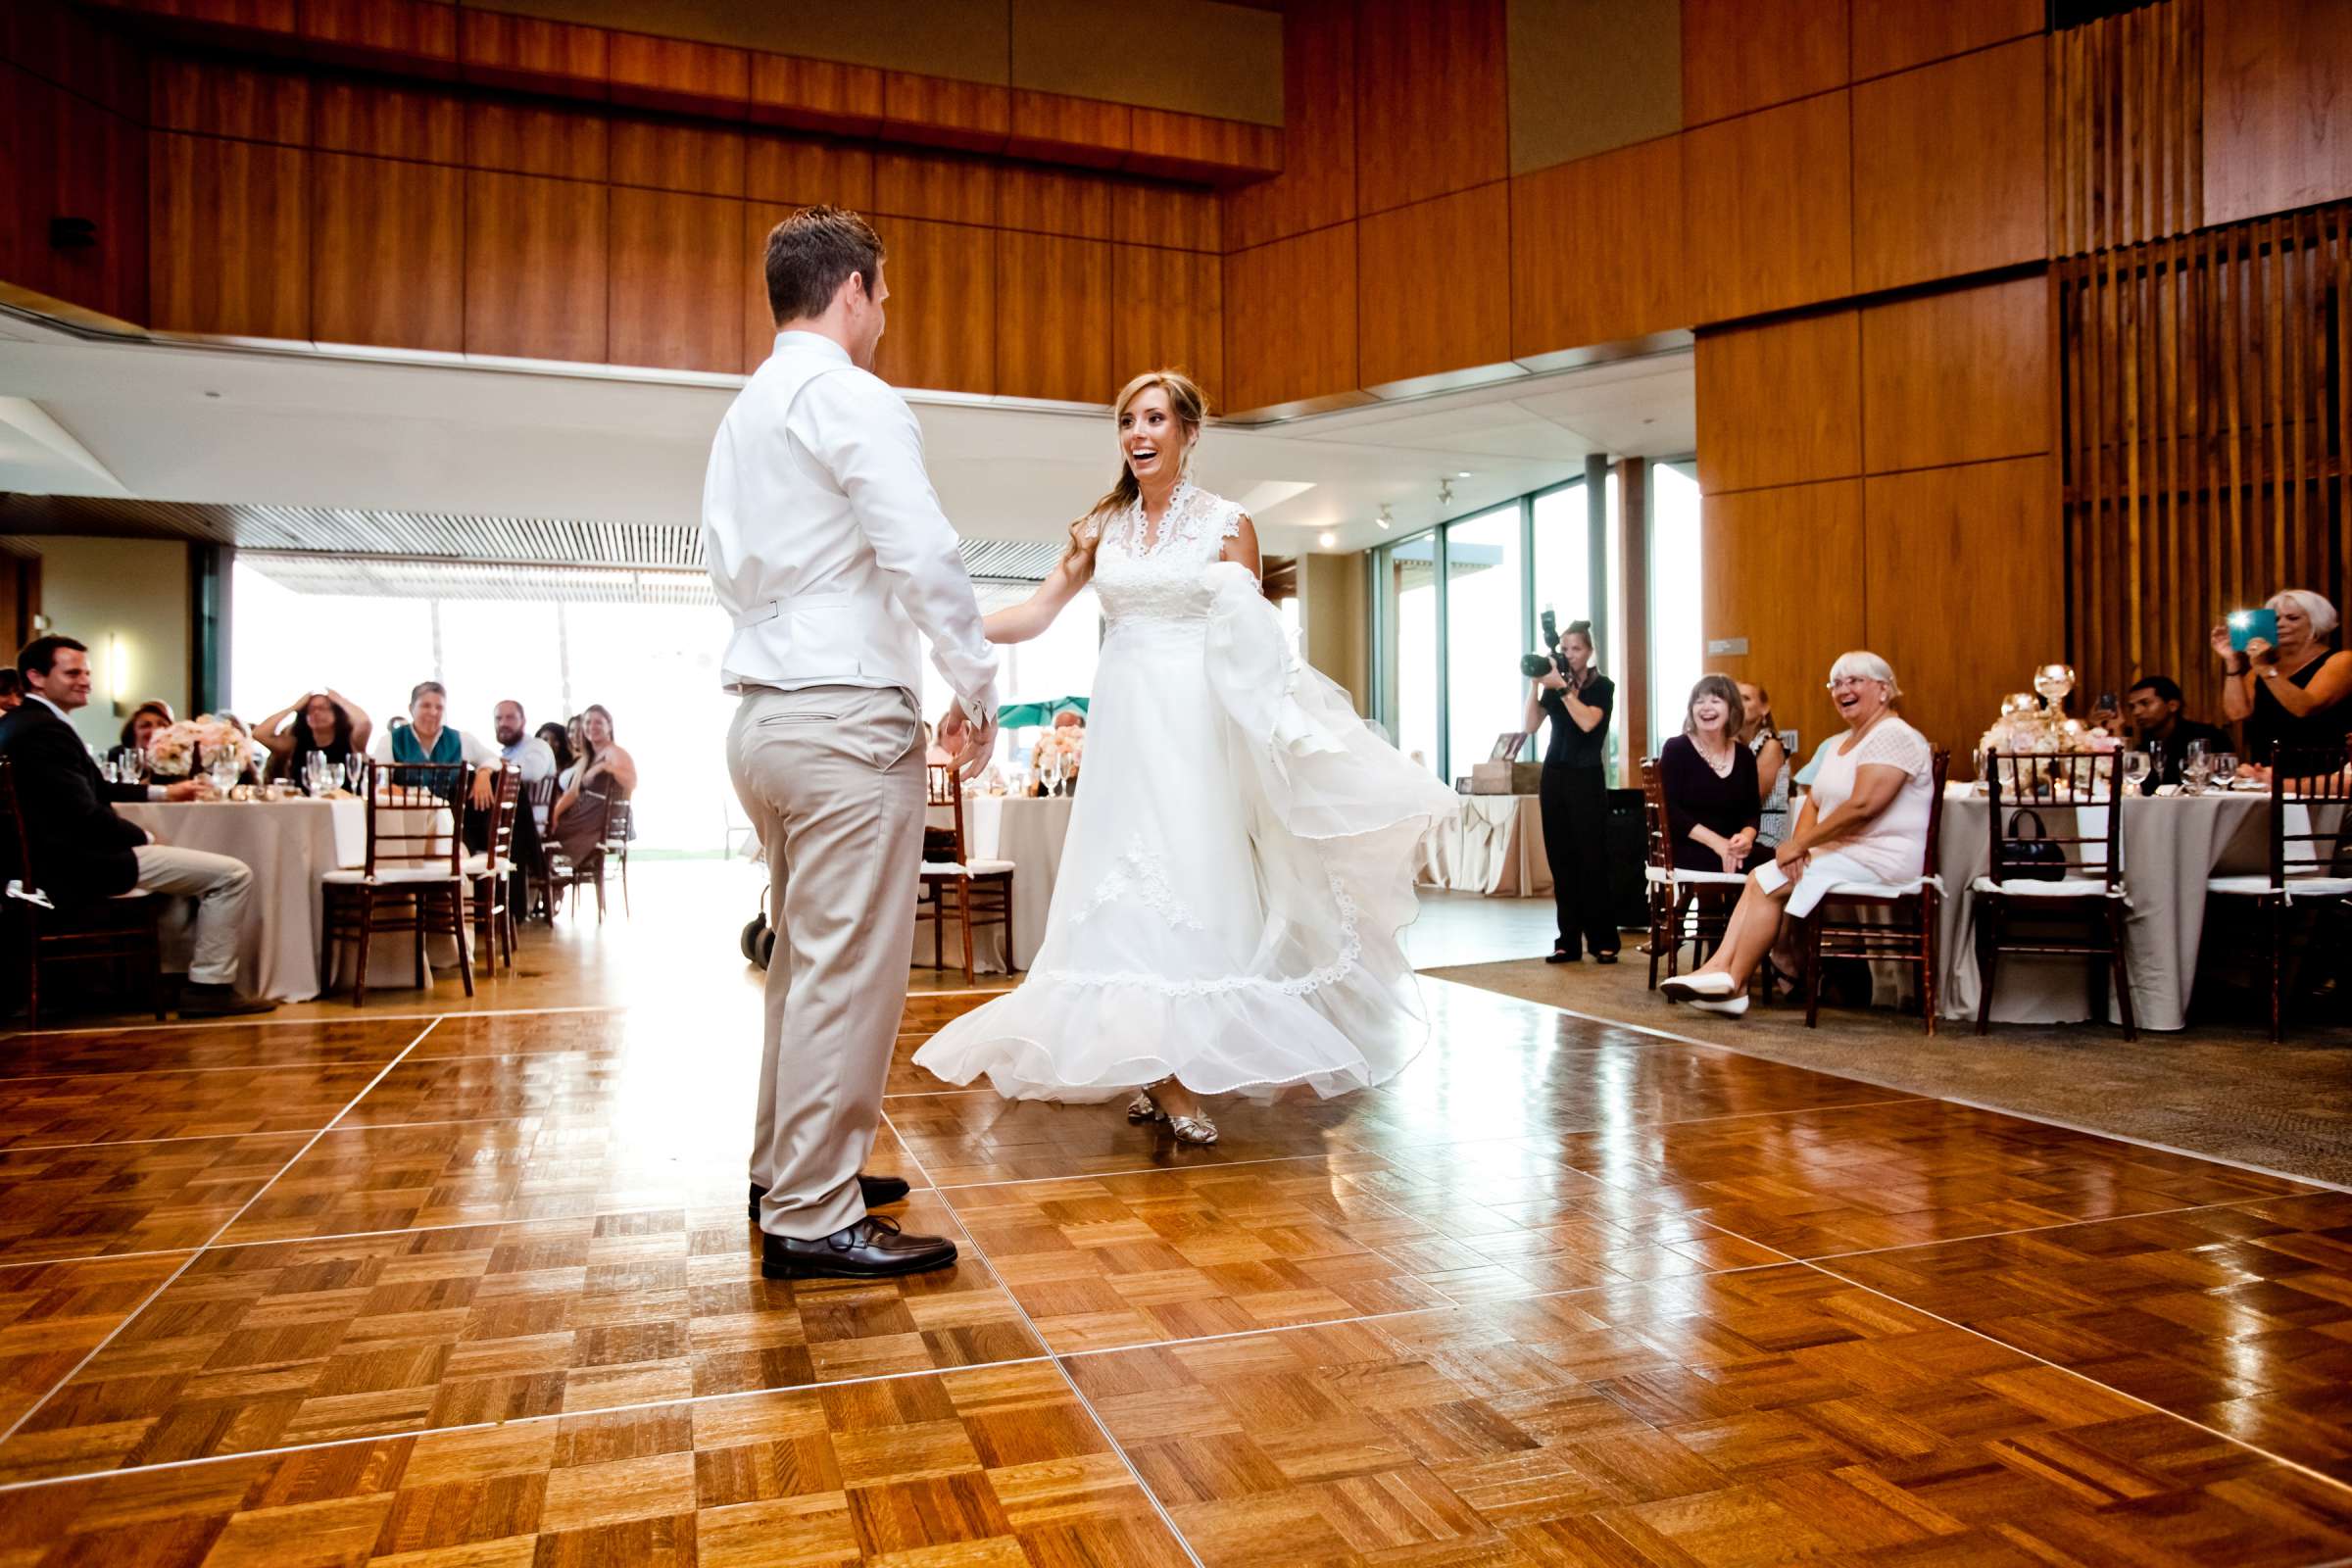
(776, 607)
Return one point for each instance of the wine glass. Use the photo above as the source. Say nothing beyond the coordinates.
(2197, 766)
(354, 771)
(2225, 766)
(222, 766)
(2054, 681)
(2136, 767)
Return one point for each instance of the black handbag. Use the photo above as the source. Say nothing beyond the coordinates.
(2031, 859)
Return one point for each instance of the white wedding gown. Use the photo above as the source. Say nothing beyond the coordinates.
(1239, 857)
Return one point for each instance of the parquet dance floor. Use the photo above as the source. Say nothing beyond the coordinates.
(479, 1290)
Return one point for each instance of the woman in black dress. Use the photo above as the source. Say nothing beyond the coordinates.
(323, 721)
(2298, 693)
(1712, 797)
(1575, 797)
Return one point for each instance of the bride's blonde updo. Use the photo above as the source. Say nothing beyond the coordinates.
(1191, 408)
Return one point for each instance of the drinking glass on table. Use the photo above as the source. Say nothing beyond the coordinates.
(2136, 767)
(223, 764)
(355, 772)
(133, 765)
(2225, 766)
(2197, 766)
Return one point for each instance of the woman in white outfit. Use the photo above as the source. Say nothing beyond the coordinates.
(1866, 821)
(1239, 864)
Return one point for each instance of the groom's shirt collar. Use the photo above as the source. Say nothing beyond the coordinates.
(816, 342)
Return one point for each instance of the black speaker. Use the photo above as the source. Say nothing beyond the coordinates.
(1628, 847)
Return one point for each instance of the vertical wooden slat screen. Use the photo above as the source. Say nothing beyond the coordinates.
(2207, 442)
(2127, 113)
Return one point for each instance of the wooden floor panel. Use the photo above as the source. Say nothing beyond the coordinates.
(2239, 1318)
(312, 1342)
(1564, 1291)
(90, 1200)
(408, 1177)
(121, 1107)
(987, 1466)
(354, 1041)
(1770, 1415)
(54, 1314)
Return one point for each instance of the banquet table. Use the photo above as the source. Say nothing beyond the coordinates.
(1028, 830)
(290, 846)
(2170, 845)
(1493, 844)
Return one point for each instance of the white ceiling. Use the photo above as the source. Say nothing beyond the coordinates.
(294, 426)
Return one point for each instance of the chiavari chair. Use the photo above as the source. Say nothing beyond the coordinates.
(413, 878)
(119, 930)
(1884, 923)
(492, 872)
(2310, 833)
(981, 889)
(2087, 888)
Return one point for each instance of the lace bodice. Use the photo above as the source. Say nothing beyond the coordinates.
(1163, 582)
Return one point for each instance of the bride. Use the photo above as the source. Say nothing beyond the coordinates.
(1239, 866)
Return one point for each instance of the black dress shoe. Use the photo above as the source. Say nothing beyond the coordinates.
(872, 1249)
(876, 1189)
(1562, 956)
(219, 1002)
(1609, 957)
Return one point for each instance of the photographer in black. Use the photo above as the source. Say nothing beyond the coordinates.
(1578, 700)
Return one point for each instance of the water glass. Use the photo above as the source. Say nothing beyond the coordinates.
(2195, 770)
(2225, 766)
(133, 765)
(222, 765)
(2136, 767)
(355, 772)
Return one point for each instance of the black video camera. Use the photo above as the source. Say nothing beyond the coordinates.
(1534, 666)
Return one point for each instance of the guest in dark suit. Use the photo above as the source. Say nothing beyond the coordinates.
(84, 853)
(2163, 730)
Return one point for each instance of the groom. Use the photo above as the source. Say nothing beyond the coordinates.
(826, 544)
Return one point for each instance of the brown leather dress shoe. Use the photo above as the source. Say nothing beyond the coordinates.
(875, 1190)
(219, 1002)
(872, 1249)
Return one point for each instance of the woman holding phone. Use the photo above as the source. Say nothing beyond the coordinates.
(2296, 690)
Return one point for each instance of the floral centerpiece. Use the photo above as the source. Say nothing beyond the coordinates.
(2038, 726)
(180, 750)
(1058, 752)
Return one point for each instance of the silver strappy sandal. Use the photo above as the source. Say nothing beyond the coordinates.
(1187, 1129)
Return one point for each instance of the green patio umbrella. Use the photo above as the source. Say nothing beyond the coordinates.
(1015, 715)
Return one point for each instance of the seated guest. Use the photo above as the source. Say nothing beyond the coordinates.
(323, 722)
(1710, 782)
(605, 773)
(577, 745)
(530, 754)
(425, 739)
(2297, 692)
(84, 853)
(12, 690)
(558, 745)
(2161, 729)
(1762, 737)
(1865, 821)
(139, 729)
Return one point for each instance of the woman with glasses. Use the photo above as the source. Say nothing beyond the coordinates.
(1865, 821)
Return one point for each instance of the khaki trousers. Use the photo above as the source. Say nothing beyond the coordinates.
(832, 777)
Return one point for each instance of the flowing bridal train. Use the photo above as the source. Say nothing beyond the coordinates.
(1238, 865)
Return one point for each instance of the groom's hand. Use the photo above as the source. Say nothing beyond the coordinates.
(978, 741)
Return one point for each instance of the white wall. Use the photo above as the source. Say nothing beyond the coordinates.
(127, 599)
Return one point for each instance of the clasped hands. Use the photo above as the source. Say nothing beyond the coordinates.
(968, 743)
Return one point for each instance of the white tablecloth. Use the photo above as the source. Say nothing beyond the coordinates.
(2170, 846)
(290, 847)
(1028, 831)
(1493, 844)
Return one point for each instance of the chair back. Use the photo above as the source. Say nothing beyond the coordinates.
(942, 791)
(616, 837)
(1657, 831)
(16, 840)
(1940, 769)
(413, 815)
(541, 793)
(2317, 782)
(2061, 782)
(501, 817)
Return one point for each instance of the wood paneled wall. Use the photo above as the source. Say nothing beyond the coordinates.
(2208, 437)
(2127, 104)
(283, 198)
(72, 96)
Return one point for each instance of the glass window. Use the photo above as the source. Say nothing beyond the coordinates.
(1486, 589)
(1411, 580)
(1677, 648)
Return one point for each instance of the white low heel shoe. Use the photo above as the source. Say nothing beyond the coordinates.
(1729, 1006)
(1682, 987)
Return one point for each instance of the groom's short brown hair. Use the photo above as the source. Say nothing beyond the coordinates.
(812, 253)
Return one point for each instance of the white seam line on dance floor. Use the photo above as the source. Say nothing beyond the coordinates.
(1899, 1088)
(2132, 1399)
(1088, 1405)
(152, 1297)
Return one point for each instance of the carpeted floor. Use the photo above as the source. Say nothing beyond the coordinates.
(2223, 1092)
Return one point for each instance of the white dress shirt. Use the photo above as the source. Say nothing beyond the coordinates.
(824, 539)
